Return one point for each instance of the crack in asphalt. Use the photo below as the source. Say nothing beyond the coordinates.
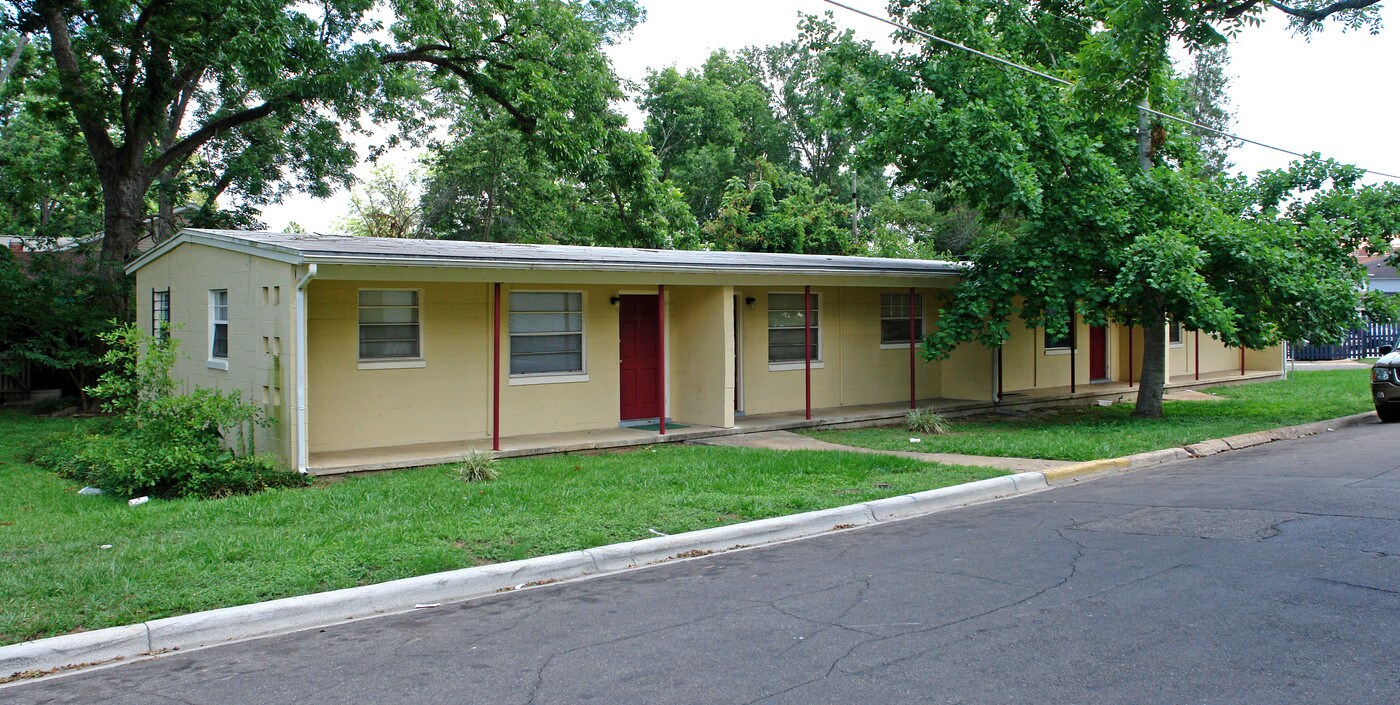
(974, 576)
(1344, 583)
(835, 663)
(539, 672)
(1324, 515)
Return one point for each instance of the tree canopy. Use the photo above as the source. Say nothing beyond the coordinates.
(258, 94)
(1136, 231)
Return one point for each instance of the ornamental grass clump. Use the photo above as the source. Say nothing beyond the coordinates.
(478, 466)
(926, 421)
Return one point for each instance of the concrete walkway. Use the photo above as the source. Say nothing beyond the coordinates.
(787, 440)
(1327, 365)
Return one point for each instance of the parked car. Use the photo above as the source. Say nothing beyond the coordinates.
(1385, 383)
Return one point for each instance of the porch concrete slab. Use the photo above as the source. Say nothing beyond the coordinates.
(787, 440)
(1191, 395)
(425, 454)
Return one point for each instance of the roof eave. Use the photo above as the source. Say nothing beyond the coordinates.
(555, 265)
(223, 242)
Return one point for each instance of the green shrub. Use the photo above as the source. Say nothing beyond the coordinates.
(244, 476)
(160, 443)
(926, 421)
(477, 466)
(128, 465)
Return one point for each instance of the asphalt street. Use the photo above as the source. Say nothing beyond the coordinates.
(1268, 575)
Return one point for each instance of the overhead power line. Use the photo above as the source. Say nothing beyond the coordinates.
(1070, 84)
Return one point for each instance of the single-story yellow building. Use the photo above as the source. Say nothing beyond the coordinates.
(371, 353)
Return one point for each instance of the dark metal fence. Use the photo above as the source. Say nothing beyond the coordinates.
(1363, 342)
(14, 379)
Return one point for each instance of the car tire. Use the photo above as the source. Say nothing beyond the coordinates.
(1388, 414)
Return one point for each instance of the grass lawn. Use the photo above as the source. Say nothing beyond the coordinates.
(173, 557)
(1092, 432)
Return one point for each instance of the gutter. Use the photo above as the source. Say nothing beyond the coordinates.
(303, 448)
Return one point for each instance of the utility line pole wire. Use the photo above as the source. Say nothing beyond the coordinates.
(1063, 82)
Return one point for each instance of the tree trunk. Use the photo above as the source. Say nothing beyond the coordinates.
(1144, 136)
(14, 58)
(1154, 366)
(123, 218)
(1154, 329)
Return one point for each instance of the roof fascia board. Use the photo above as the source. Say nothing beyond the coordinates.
(362, 273)
(223, 242)
(150, 255)
(453, 263)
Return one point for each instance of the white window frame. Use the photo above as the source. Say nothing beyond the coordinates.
(921, 317)
(160, 327)
(817, 362)
(216, 362)
(1072, 339)
(581, 375)
(392, 363)
(1175, 326)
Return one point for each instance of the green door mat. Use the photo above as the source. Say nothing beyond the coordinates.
(657, 426)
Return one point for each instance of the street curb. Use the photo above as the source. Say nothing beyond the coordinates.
(201, 629)
(1080, 471)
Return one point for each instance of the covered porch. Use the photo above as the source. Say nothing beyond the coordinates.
(426, 454)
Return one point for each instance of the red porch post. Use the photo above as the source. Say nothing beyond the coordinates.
(496, 369)
(661, 346)
(807, 343)
(913, 395)
(1241, 359)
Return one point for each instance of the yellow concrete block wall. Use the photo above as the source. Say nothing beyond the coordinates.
(769, 388)
(530, 406)
(1181, 356)
(1053, 365)
(969, 373)
(259, 359)
(876, 373)
(1128, 361)
(1266, 359)
(354, 405)
(1020, 356)
(700, 374)
(853, 367)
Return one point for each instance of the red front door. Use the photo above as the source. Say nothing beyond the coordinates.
(640, 350)
(1098, 352)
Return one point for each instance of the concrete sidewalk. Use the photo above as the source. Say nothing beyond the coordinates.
(787, 440)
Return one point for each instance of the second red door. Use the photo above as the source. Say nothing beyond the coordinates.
(640, 352)
(1098, 353)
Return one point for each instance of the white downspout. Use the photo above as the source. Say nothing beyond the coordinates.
(303, 448)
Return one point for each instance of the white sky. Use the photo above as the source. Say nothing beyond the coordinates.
(1336, 94)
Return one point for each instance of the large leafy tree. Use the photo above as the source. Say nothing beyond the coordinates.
(489, 181)
(710, 125)
(385, 205)
(1133, 231)
(773, 209)
(48, 188)
(259, 93)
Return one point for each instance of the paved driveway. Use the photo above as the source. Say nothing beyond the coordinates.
(1269, 575)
